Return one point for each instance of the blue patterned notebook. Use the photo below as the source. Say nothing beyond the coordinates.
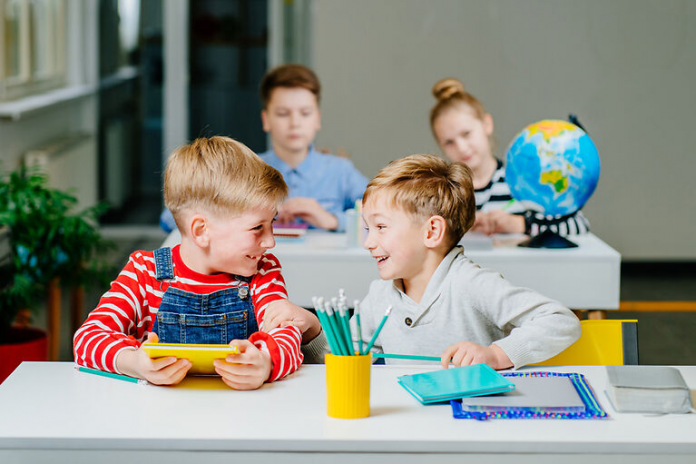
(457, 382)
(578, 404)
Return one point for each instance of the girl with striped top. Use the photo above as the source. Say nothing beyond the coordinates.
(218, 286)
(464, 130)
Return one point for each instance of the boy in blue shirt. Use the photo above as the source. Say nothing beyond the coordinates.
(322, 186)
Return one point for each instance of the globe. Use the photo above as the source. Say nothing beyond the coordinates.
(552, 167)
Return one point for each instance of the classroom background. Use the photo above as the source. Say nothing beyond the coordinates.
(101, 91)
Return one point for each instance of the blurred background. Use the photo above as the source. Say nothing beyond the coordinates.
(101, 91)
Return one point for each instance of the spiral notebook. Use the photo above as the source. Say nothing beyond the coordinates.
(538, 395)
(457, 382)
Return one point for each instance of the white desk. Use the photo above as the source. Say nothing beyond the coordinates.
(51, 413)
(586, 277)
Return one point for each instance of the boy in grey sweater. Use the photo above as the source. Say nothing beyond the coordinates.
(417, 209)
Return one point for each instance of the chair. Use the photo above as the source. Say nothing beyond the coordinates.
(602, 343)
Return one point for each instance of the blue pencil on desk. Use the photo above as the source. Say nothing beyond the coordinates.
(111, 375)
(413, 357)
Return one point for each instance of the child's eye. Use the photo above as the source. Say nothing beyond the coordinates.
(381, 227)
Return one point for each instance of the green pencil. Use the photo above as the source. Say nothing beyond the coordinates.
(111, 375)
(345, 325)
(328, 331)
(406, 356)
(338, 333)
(356, 310)
(379, 329)
(508, 204)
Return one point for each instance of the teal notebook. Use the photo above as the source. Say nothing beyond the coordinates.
(455, 383)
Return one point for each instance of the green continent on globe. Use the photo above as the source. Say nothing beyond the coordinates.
(556, 179)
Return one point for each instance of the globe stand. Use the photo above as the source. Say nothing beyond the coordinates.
(548, 239)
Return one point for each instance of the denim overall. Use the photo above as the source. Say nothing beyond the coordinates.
(214, 318)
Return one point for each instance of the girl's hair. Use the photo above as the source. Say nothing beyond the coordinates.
(450, 94)
(423, 186)
(289, 76)
(221, 176)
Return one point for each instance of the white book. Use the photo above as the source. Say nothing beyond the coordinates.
(648, 389)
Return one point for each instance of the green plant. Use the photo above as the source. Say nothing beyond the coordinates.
(48, 240)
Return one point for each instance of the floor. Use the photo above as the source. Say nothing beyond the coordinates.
(664, 337)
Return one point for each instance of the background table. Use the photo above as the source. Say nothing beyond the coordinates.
(587, 277)
(49, 412)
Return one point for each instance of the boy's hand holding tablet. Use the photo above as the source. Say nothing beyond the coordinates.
(160, 371)
(247, 370)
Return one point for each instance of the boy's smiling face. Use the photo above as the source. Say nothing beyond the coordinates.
(236, 244)
(394, 239)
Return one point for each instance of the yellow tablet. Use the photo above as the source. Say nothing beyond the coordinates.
(201, 356)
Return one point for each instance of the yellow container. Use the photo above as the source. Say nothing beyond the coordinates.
(348, 386)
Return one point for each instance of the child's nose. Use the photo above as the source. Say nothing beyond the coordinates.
(368, 243)
(294, 119)
(268, 240)
(462, 145)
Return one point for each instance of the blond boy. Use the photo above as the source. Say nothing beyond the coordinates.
(416, 210)
(216, 287)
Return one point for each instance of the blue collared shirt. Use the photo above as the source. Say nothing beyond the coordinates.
(334, 182)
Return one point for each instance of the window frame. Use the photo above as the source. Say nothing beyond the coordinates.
(31, 80)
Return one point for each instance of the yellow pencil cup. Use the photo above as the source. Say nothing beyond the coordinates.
(348, 386)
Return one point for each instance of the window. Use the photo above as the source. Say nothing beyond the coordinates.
(33, 59)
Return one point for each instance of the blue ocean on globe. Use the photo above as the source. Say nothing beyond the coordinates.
(552, 167)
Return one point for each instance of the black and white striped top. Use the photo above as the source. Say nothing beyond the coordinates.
(496, 195)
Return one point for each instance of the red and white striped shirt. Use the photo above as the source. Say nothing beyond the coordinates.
(126, 313)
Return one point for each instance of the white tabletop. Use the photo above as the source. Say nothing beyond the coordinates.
(586, 277)
(51, 411)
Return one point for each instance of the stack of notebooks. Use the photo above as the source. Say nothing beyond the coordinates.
(479, 392)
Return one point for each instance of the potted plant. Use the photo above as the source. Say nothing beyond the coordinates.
(50, 245)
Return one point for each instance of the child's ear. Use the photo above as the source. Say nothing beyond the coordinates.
(488, 124)
(435, 229)
(264, 121)
(199, 231)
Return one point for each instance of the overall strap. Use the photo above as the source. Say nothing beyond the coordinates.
(163, 264)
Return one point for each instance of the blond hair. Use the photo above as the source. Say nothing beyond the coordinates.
(450, 94)
(221, 176)
(424, 186)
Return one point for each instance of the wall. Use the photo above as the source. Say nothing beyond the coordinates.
(626, 67)
(43, 125)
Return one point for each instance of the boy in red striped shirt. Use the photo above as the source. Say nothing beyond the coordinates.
(213, 288)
